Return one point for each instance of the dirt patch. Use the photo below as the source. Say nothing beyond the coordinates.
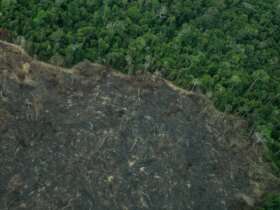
(92, 138)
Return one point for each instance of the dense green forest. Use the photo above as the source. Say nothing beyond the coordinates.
(228, 49)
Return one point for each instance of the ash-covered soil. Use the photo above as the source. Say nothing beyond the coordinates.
(89, 138)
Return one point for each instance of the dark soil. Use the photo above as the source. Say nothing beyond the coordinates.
(89, 138)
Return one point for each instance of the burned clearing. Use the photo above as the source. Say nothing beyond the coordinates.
(91, 138)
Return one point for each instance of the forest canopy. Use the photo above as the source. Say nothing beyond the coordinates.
(228, 49)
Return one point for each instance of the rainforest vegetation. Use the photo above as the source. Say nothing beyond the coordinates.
(227, 49)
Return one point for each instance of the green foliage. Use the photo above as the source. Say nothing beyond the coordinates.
(229, 49)
(272, 202)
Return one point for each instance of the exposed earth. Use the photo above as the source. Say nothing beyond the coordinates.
(89, 138)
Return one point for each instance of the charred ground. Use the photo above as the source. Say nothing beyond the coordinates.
(91, 138)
